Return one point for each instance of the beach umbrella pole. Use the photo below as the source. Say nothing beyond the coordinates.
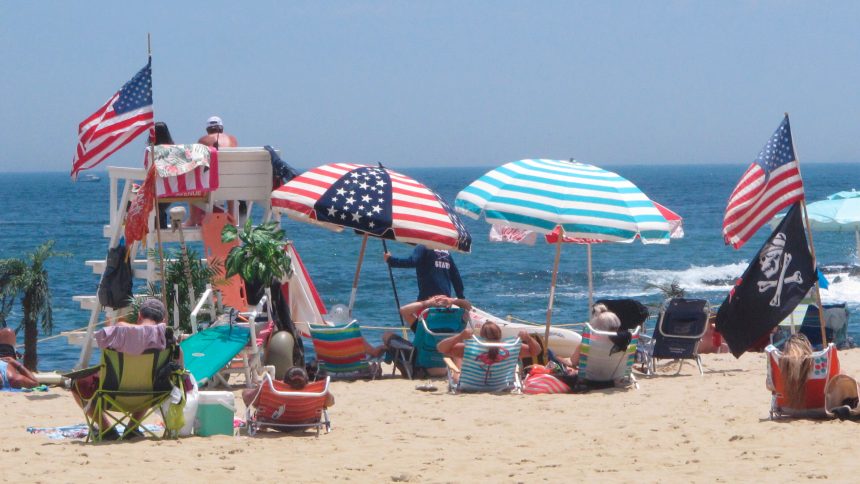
(821, 320)
(357, 273)
(857, 241)
(552, 293)
(394, 288)
(590, 283)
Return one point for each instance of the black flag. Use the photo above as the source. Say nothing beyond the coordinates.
(771, 287)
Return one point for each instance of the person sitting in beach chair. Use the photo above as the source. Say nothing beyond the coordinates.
(139, 367)
(602, 319)
(797, 377)
(293, 404)
(411, 312)
(342, 351)
(13, 374)
(486, 363)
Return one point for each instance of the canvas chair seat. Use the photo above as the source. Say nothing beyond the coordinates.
(433, 325)
(824, 368)
(600, 361)
(279, 406)
(341, 352)
(128, 384)
(479, 373)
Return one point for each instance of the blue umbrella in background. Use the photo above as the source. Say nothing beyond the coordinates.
(839, 212)
(566, 198)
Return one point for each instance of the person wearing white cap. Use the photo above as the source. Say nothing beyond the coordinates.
(215, 135)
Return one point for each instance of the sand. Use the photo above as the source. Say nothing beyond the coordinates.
(689, 427)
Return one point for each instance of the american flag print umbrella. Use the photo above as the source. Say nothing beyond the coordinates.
(374, 201)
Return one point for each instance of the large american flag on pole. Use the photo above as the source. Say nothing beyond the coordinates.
(770, 184)
(123, 117)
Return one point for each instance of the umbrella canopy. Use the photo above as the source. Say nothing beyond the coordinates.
(576, 201)
(375, 201)
(839, 212)
(584, 200)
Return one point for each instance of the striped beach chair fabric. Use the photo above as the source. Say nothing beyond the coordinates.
(341, 352)
(599, 363)
(480, 373)
(279, 406)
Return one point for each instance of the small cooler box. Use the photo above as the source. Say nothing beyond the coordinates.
(215, 412)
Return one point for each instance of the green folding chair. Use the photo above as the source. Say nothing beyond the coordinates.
(131, 388)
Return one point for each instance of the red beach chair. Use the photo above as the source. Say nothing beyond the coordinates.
(277, 405)
(825, 366)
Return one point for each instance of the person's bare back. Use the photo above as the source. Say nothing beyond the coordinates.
(215, 135)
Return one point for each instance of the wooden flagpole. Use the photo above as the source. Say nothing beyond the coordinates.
(552, 291)
(811, 248)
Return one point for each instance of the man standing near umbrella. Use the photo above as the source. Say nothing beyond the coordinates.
(435, 269)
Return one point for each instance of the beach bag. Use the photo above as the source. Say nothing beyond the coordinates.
(542, 381)
(115, 288)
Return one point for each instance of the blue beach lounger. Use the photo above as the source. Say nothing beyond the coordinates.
(210, 350)
(481, 373)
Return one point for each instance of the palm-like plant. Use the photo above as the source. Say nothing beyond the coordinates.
(174, 276)
(261, 256)
(28, 279)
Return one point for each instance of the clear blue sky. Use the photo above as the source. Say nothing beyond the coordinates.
(442, 83)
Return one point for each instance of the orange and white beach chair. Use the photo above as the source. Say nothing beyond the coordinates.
(825, 366)
(279, 406)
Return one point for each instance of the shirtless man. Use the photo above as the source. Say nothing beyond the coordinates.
(12, 373)
(215, 135)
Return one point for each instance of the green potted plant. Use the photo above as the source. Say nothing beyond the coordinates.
(259, 258)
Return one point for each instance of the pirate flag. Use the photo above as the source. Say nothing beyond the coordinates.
(771, 287)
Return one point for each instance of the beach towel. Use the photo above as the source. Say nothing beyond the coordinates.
(133, 340)
(80, 431)
(184, 170)
(40, 388)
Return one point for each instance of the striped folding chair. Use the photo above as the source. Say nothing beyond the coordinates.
(600, 360)
(481, 372)
(279, 406)
(341, 352)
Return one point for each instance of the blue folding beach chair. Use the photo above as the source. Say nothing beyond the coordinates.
(482, 373)
(682, 324)
(434, 325)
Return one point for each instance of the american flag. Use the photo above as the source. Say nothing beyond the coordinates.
(123, 117)
(375, 201)
(770, 184)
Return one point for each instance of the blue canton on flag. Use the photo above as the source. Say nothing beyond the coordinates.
(136, 93)
(361, 200)
(779, 149)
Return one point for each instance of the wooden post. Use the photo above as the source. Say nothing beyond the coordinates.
(552, 291)
(811, 249)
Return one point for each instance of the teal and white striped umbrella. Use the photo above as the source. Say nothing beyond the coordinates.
(576, 201)
(587, 202)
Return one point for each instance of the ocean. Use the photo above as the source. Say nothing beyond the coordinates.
(504, 279)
